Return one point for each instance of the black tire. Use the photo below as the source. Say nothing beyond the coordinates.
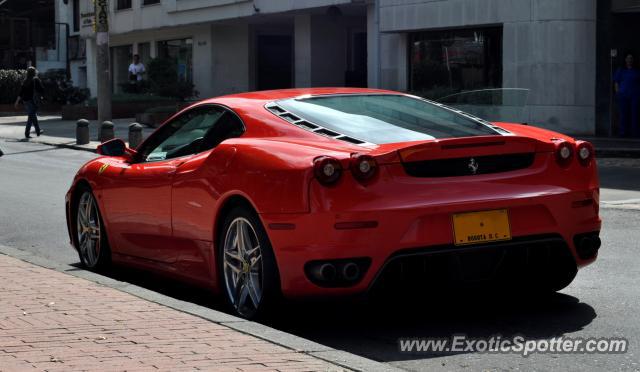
(101, 258)
(227, 274)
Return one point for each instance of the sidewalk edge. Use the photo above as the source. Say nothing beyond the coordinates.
(289, 341)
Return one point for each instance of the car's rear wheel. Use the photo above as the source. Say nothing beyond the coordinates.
(247, 265)
(90, 235)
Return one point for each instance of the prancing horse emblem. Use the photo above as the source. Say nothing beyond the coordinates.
(473, 166)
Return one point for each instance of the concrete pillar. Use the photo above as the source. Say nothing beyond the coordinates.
(82, 132)
(107, 131)
(229, 63)
(302, 48)
(153, 49)
(373, 45)
(135, 135)
(92, 77)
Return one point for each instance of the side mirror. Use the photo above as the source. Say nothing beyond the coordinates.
(115, 147)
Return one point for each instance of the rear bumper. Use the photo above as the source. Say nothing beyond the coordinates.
(534, 261)
(393, 231)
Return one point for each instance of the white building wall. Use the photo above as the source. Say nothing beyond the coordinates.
(223, 58)
(549, 47)
(230, 60)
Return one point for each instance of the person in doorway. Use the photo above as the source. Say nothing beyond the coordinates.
(627, 87)
(30, 95)
(136, 70)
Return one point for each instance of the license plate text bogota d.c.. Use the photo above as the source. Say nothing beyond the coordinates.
(481, 227)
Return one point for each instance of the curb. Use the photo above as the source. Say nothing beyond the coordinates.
(289, 341)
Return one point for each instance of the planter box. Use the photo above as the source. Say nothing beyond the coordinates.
(119, 110)
(152, 119)
(9, 110)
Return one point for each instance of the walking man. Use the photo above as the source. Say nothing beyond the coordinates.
(30, 95)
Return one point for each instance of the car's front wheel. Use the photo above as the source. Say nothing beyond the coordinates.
(91, 239)
(247, 265)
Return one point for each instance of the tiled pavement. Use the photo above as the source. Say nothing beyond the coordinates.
(56, 322)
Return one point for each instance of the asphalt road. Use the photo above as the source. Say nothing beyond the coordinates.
(604, 300)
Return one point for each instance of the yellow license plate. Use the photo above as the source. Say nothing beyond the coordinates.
(481, 227)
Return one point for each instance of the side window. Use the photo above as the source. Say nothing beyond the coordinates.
(197, 130)
(183, 136)
(228, 126)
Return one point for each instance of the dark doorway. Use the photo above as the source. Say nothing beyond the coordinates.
(356, 76)
(617, 37)
(274, 62)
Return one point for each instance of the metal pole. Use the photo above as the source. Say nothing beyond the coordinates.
(103, 68)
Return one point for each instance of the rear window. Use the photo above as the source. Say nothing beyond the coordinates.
(385, 118)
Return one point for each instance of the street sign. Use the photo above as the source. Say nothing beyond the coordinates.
(102, 15)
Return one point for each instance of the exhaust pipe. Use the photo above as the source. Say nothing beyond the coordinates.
(588, 246)
(596, 242)
(350, 271)
(326, 272)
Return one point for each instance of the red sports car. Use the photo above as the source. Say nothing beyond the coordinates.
(338, 191)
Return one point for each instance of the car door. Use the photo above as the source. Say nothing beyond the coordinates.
(138, 200)
(196, 192)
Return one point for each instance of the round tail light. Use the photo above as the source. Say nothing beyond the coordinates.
(586, 153)
(564, 154)
(327, 170)
(363, 167)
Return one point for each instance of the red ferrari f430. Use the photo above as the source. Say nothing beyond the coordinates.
(338, 191)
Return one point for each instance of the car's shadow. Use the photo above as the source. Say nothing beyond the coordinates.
(372, 327)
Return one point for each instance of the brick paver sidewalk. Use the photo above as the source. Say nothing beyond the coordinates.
(54, 321)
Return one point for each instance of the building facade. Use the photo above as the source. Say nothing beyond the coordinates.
(559, 53)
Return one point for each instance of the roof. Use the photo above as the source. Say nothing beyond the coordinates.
(272, 95)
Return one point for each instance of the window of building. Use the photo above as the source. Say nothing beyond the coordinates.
(77, 48)
(150, 2)
(446, 62)
(123, 4)
(181, 51)
(76, 15)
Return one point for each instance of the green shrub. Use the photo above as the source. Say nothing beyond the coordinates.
(164, 81)
(60, 90)
(57, 88)
(10, 83)
(133, 98)
(140, 87)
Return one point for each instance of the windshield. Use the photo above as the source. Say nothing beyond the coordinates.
(385, 118)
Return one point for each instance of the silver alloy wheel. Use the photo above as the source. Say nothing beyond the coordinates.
(242, 262)
(88, 229)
